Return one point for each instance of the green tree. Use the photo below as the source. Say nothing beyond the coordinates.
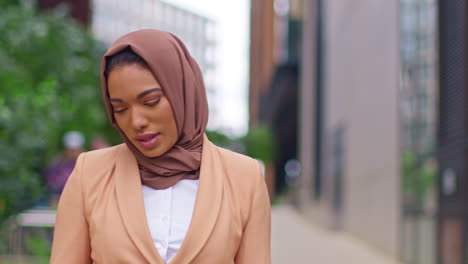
(6, 3)
(418, 177)
(260, 143)
(49, 83)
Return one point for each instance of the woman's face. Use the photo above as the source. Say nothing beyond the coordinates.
(141, 109)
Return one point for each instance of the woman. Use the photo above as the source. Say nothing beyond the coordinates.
(167, 194)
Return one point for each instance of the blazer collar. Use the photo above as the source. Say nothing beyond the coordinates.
(207, 205)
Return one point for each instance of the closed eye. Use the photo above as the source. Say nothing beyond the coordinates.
(116, 109)
(119, 111)
(153, 102)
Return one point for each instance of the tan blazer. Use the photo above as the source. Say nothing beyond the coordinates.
(101, 215)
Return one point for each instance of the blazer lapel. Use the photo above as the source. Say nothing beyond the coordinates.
(131, 205)
(207, 204)
(205, 213)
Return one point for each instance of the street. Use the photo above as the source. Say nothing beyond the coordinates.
(296, 240)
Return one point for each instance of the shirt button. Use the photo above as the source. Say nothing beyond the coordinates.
(165, 219)
(163, 244)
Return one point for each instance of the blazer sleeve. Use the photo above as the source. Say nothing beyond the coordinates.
(71, 242)
(255, 242)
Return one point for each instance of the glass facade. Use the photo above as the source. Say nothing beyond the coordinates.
(419, 82)
(418, 126)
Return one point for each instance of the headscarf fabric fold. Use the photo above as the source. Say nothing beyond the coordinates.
(182, 82)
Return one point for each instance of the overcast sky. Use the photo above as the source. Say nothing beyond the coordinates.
(232, 18)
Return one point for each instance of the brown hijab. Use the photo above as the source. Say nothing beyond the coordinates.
(182, 82)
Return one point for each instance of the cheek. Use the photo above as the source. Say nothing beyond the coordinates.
(173, 131)
(122, 123)
(171, 125)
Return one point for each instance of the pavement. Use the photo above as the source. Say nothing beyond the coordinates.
(297, 240)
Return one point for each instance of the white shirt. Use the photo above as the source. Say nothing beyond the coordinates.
(169, 213)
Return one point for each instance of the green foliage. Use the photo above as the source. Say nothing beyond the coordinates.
(418, 179)
(218, 138)
(39, 248)
(260, 143)
(49, 84)
(6, 3)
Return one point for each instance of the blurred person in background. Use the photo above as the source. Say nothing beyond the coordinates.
(167, 194)
(99, 142)
(61, 167)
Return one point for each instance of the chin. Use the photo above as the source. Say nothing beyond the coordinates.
(152, 153)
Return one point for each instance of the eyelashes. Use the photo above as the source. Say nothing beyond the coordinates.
(149, 103)
(119, 111)
(153, 102)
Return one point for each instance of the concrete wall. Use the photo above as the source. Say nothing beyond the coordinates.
(361, 95)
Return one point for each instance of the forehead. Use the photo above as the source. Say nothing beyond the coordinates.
(130, 79)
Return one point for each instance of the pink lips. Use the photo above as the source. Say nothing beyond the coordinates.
(147, 140)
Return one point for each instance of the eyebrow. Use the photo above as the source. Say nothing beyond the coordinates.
(138, 96)
(148, 92)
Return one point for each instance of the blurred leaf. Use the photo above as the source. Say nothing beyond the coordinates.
(418, 177)
(260, 143)
(49, 83)
(219, 138)
(38, 246)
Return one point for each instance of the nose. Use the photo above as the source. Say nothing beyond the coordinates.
(139, 121)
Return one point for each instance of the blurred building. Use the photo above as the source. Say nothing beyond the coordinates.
(452, 151)
(341, 62)
(79, 9)
(418, 123)
(349, 122)
(261, 54)
(419, 79)
(112, 19)
(274, 80)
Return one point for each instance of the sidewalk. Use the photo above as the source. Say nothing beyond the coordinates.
(295, 240)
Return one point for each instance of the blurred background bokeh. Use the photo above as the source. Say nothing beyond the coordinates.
(358, 110)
